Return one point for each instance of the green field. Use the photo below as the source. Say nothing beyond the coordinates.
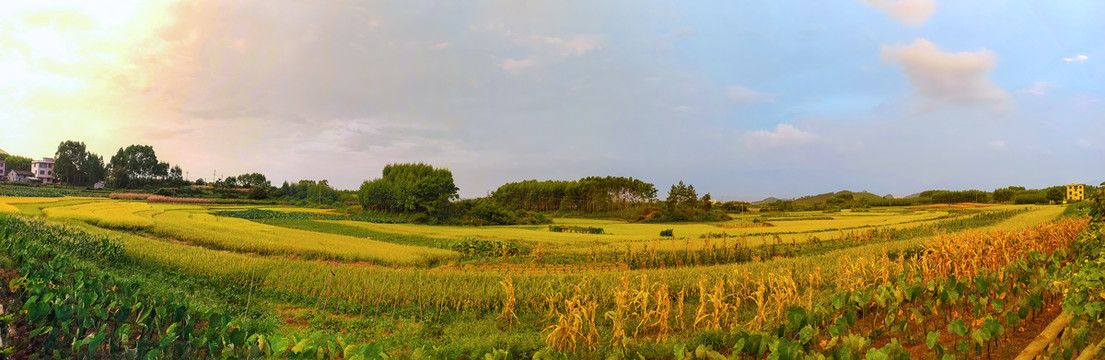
(400, 286)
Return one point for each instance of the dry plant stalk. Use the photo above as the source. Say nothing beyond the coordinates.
(509, 301)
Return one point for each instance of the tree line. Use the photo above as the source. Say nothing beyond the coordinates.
(131, 167)
(588, 194)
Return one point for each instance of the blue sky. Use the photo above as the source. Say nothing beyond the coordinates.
(743, 99)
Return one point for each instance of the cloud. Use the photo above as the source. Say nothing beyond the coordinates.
(997, 144)
(907, 12)
(577, 46)
(785, 135)
(1039, 88)
(517, 66)
(744, 96)
(1077, 59)
(1083, 144)
(949, 78)
(440, 46)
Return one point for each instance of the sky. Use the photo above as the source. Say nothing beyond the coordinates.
(742, 99)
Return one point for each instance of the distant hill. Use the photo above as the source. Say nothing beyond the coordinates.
(820, 198)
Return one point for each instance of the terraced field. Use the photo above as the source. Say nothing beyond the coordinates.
(628, 286)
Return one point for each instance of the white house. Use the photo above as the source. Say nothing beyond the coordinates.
(2, 171)
(19, 175)
(43, 170)
(99, 185)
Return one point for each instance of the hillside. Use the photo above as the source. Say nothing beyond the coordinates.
(820, 198)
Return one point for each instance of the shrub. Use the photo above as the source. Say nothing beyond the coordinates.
(577, 229)
(129, 196)
(667, 233)
(473, 246)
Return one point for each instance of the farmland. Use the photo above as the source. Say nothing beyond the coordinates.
(968, 282)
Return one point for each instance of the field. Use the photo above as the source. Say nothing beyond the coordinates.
(967, 281)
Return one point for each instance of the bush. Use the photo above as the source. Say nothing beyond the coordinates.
(1031, 197)
(487, 211)
(667, 233)
(270, 214)
(258, 193)
(577, 229)
(473, 246)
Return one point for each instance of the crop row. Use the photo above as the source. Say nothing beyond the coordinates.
(271, 214)
(675, 298)
(74, 310)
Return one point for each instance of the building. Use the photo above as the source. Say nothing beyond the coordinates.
(1076, 192)
(99, 185)
(43, 170)
(2, 170)
(19, 175)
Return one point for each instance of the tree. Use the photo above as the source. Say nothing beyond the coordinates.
(74, 165)
(250, 180)
(68, 160)
(136, 165)
(1003, 195)
(380, 195)
(1054, 194)
(14, 162)
(410, 188)
(682, 196)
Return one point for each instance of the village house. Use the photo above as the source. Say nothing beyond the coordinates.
(1076, 192)
(43, 170)
(19, 175)
(2, 171)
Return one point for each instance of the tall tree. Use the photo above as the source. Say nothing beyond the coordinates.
(410, 187)
(15, 162)
(136, 165)
(74, 165)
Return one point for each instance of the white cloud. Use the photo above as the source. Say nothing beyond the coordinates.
(785, 135)
(949, 78)
(577, 45)
(685, 110)
(1077, 59)
(997, 144)
(1083, 144)
(440, 46)
(744, 96)
(517, 66)
(907, 12)
(1039, 88)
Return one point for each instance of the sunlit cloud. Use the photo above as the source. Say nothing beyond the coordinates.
(785, 135)
(1077, 59)
(907, 12)
(517, 66)
(943, 78)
